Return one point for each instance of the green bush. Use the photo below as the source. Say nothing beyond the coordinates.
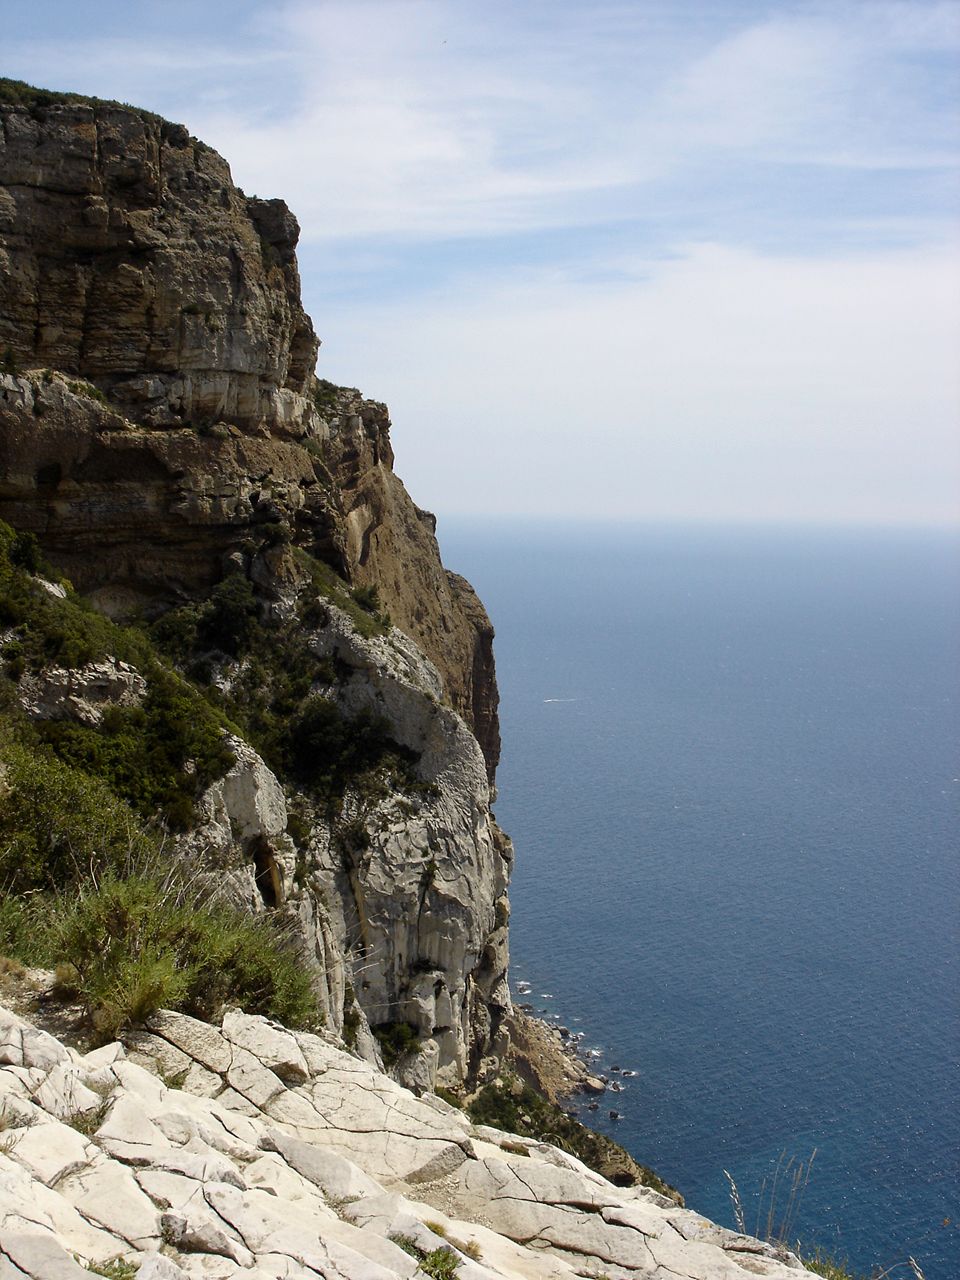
(159, 756)
(231, 620)
(440, 1263)
(144, 942)
(59, 824)
(396, 1039)
(25, 929)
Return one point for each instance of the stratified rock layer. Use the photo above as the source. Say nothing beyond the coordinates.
(279, 1155)
(130, 259)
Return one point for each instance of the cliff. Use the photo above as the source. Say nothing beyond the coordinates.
(165, 439)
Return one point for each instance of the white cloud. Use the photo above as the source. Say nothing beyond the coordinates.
(720, 384)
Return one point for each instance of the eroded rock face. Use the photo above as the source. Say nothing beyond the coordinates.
(128, 257)
(279, 1155)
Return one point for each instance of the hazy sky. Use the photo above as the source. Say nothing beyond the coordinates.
(667, 258)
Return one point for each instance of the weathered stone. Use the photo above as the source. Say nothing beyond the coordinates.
(252, 1080)
(197, 1231)
(239, 1197)
(22, 1045)
(198, 1040)
(107, 1194)
(82, 693)
(40, 1257)
(337, 1177)
(64, 1095)
(272, 1046)
(51, 1151)
(155, 1266)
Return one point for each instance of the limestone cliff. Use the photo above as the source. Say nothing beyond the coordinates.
(162, 429)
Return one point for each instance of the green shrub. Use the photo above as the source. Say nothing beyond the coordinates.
(440, 1263)
(823, 1264)
(396, 1039)
(58, 824)
(25, 929)
(114, 1268)
(159, 756)
(143, 943)
(368, 598)
(231, 620)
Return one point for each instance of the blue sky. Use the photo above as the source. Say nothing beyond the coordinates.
(634, 260)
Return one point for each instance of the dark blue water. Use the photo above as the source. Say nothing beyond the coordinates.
(731, 769)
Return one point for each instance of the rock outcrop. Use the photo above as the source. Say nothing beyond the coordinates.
(246, 1150)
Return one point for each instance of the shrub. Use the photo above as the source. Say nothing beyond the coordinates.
(143, 943)
(440, 1263)
(231, 621)
(396, 1039)
(159, 757)
(58, 824)
(25, 553)
(25, 929)
(368, 598)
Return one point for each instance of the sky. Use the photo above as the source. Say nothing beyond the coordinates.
(660, 260)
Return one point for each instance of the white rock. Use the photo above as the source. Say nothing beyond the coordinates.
(197, 1039)
(338, 1178)
(64, 1095)
(196, 1230)
(272, 1046)
(39, 1256)
(108, 1195)
(51, 1151)
(252, 1080)
(156, 1266)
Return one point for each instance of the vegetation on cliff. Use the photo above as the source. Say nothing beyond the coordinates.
(86, 872)
(516, 1107)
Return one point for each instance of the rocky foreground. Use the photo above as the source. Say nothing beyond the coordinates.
(247, 1150)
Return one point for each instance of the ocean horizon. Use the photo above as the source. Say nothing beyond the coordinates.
(731, 769)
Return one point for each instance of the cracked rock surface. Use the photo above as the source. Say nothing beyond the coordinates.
(279, 1155)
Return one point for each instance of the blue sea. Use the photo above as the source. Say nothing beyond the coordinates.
(731, 769)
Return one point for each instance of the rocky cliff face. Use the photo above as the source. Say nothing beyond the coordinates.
(161, 427)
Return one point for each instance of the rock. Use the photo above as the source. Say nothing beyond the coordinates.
(252, 1080)
(81, 693)
(199, 1232)
(593, 1084)
(357, 1160)
(64, 1095)
(50, 1152)
(337, 1177)
(157, 1267)
(198, 1040)
(22, 1045)
(107, 1194)
(271, 1045)
(168, 428)
(39, 1257)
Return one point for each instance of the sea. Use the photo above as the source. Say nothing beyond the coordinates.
(731, 770)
